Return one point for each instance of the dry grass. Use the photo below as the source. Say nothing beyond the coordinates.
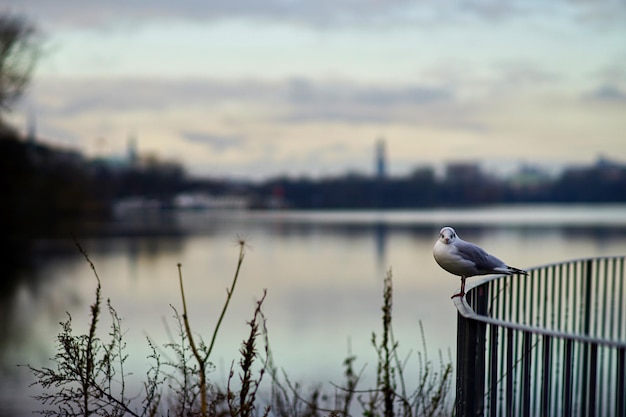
(89, 377)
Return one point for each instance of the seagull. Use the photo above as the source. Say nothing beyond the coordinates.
(465, 259)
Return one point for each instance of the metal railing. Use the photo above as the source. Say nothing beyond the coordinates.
(552, 343)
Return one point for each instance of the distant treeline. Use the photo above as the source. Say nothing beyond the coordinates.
(46, 190)
(594, 184)
(43, 188)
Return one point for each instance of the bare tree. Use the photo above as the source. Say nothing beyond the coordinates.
(19, 50)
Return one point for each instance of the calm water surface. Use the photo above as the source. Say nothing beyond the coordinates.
(323, 272)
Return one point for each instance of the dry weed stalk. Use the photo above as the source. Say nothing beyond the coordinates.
(89, 378)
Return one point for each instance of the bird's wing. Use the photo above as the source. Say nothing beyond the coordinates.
(484, 262)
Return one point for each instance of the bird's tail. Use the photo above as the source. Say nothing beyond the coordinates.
(516, 270)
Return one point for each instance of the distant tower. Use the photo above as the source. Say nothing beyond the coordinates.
(131, 150)
(381, 166)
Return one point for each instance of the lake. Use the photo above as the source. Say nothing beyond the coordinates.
(323, 272)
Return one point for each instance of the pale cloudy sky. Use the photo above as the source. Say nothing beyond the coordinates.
(249, 88)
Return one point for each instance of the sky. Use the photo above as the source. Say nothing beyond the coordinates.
(257, 89)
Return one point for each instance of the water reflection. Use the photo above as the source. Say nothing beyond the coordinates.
(323, 272)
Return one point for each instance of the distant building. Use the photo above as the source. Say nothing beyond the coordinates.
(380, 160)
(463, 172)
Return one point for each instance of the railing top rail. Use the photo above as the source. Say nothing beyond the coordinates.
(466, 310)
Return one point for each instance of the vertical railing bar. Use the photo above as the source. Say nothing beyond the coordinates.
(608, 363)
(577, 285)
(587, 303)
(607, 375)
(567, 380)
(503, 369)
(528, 299)
(559, 297)
(526, 373)
(610, 380)
(562, 320)
(491, 308)
(551, 269)
(620, 395)
(511, 292)
(577, 386)
(504, 366)
(500, 300)
(536, 375)
(515, 352)
(571, 276)
(493, 370)
(556, 392)
(587, 329)
(605, 293)
(583, 352)
(483, 297)
(613, 292)
(603, 378)
(592, 380)
(509, 373)
(595, 280)
(519, 297)
(541, 289)
(565, 297)
(621, 300)
(579, 313)
(547, 372)
(599, 285)
(607, 319)
(494, 303)
(544, 295)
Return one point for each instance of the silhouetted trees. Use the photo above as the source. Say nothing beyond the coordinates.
(42, 188)
(19, 49)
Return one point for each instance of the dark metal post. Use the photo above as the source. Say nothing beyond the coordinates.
(470, 381)
(462, 373)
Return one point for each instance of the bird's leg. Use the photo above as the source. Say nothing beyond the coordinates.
(462, 293)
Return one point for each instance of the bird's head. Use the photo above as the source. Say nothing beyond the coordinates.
(447, 235)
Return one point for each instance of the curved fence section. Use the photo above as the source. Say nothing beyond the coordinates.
(550, 343)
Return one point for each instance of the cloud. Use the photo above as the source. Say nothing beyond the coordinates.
(522, 74)
(357, 103)
(71, 97)
(217, 143)
(320, 13)
(291, 101)
(412, 95)
(607, 93)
